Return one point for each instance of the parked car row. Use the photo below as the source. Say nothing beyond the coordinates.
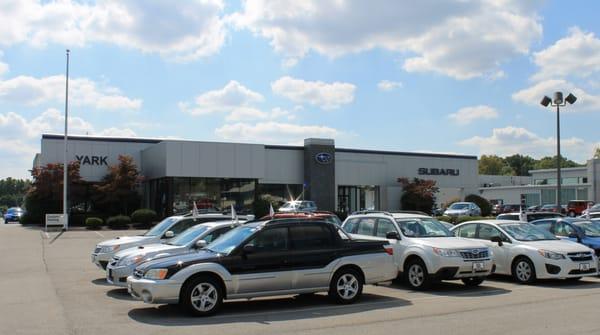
(200, 263)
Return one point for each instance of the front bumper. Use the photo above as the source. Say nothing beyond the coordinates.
(566, 268)
(154, 291)
(117, 275)
(445, 268)
(102, 259)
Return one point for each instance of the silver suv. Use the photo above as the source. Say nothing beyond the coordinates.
(424, 249)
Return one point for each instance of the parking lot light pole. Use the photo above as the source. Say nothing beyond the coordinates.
(558, 102)
(65, 161)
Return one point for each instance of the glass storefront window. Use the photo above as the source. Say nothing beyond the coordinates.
(356, 198)
(277, 194)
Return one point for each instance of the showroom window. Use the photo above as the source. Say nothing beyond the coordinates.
(356, 198)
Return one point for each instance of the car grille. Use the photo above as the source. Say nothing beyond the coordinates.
(470, 254)
(114, 261)
(97, 250)
(138, 274)
(580, 256)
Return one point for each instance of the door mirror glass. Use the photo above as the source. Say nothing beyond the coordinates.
(169, 234)
(392, 235)
(201, 244)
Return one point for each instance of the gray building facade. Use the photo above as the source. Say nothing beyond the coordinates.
(178, 173)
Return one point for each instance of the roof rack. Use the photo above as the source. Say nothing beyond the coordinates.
(371, 212)
(409, 212)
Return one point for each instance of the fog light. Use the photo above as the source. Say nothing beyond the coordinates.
(147, 297)
(552, 269)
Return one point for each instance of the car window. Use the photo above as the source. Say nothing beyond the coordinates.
(366, 226)
(384, 226)
(182, 225)
(215, 234)
(269, 240)
(563, 229)
(467, 231)
(351, 225)
(546, 225)
(486, 232)
(310, 237)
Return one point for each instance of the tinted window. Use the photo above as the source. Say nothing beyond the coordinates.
(544, 225)
(215, 234)
(384, 226)
(182, 225)
(513, 217)
(467, 231)
(562, 229)
(351, 225)
(275, 239)
(486, 232)
(366, 226)
(310, 237)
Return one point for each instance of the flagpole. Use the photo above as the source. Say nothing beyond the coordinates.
(65, 161)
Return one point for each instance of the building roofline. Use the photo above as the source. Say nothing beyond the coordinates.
(403, 153)
(562, 169)
(101, 138)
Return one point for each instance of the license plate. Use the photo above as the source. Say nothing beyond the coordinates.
(478, 266)
(584, 267)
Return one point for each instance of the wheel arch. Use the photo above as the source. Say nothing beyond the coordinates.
(207, 273)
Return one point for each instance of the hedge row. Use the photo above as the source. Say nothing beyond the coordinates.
(142, 218)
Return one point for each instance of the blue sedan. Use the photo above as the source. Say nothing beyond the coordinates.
(578, 230)
(13, 214)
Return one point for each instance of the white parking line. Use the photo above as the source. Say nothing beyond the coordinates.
(98, 234)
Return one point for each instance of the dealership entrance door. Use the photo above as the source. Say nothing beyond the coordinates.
(356, 198)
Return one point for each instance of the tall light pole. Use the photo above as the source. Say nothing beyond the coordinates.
(65, 161)
(558, 102)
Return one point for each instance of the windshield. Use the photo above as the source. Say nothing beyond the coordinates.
(161, 227)
(289, 205)
(590, 228)
(230, 240)
(188, 236)
(423, 228)
(459, 206)
(14, 210)
(527, 232)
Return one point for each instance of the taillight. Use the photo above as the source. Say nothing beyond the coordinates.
(389, 250)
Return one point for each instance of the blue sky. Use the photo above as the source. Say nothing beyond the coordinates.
(456, 76)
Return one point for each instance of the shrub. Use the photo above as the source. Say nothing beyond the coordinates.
(419, 194)
(118, 222)
(144, 217)
(486, 207)
(93, 223)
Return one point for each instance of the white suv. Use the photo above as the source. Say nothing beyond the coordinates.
(424, 249)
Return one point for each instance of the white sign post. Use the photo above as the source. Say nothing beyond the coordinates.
(55, 220)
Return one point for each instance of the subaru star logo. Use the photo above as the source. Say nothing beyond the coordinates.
(324, 157)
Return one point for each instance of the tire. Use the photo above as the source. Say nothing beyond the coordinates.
(473, 281)
(202, 296)
(523, 271)
(346, 286)
(416, 275)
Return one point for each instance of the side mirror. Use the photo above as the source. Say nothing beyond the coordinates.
(575, 236)
(169, 234)
(392, 235)
(200, 244)
(249, 249)
(497, 239)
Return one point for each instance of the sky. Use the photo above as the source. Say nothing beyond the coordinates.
(454, 76)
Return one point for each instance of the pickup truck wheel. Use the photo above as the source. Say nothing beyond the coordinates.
(202, 296)
(473, 281)
(416, 275)
(346, 286)
(523, 271)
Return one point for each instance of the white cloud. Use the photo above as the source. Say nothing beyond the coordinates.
(183, 30)
(317, 93)
(515, 140)
(458, 38)
(467, 115)
(3, 66)
(533, 95)
(82, 92)
(387, 85)
(577, 55)
(233, 96)
(273, 132)
(249, 114)
(20, 136)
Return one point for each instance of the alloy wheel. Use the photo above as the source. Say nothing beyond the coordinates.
(416, 275)
(204, 297)
(524, 271)
(347, 286)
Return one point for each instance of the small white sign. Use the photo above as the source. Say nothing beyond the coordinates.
(55, 220)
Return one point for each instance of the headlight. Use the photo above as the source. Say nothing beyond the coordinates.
(446, 252)
(131, 260)
(156, 274)
(551, 254)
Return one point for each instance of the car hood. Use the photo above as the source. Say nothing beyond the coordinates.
(148, 250)
(592, 242)
(129, 240)
(177, 262)
(561, 246)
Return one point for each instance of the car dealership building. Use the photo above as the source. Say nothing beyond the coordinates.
(213, 174)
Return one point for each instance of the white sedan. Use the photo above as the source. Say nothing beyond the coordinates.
(527, 252)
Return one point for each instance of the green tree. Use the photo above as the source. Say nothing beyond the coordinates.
(520, 164)
(12, 192)
(117, 192)
(491, 165)
(483, 203)
(419, 194)
(549, 162)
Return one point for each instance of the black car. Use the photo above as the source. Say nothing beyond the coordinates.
(266, 258)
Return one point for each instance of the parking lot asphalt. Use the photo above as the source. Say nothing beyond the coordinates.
(49, 286)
